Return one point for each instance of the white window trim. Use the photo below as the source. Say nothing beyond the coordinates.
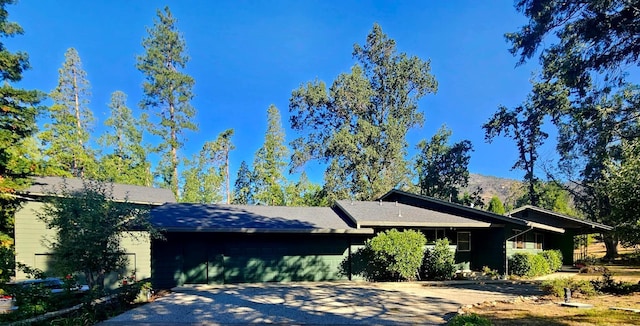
(458, 241)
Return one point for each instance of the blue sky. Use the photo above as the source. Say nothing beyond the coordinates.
(246, 55)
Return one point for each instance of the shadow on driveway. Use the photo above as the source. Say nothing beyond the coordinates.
(315, 304)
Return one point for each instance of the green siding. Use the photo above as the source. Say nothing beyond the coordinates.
(202, 258)
(32, 237)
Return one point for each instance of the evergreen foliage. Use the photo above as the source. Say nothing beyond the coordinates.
(359, 124)
(127, 162)
(495, 206)
(268, 180)
(66, 136)
(206, 174)
(242, 192)
(396, 255)
(439, 262)
(167, 93)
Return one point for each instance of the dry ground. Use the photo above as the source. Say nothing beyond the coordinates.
(548, 311)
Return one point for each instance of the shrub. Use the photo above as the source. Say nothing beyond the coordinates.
(528, 265)
(553, 258)
(469, 320)
(556, 287)
(606, 284)
(439, 262)
(389, 256)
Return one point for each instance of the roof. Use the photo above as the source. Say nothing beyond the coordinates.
(250, 219)
(438, 205)
(541, 215)
(388, 214)
(53, 186)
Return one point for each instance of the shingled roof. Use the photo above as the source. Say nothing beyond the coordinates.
(52, 186)
(389, 214)
(544, 216)
(250, 219)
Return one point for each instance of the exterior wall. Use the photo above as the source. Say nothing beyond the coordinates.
(32, 237)
(209, 258)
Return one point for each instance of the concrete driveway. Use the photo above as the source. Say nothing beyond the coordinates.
(347, 303)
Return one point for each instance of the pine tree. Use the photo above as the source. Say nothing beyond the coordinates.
(67, 134)
(127, 161)
(242, 192)
(270, 161)
(167, 92)
(18, 110)
(495, 206)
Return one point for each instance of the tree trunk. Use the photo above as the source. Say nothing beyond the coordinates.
(611, 244)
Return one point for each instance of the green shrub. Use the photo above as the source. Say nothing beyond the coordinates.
(469, 320)
(606, 284)
(389, 256)
(553, 258)
(556, 287)
(439, 262)
(528, 265)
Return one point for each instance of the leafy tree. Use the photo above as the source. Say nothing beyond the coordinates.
(622, 180)
(495, 206)
(577, 39)
(206, 174)
(586, 46)
(242, 192)
(442, 168)
(270, 160)
(127, 163)
(359, 125)
(67, 134)
(167, 92)
(88, 225)
(304, 193)
(524, 124)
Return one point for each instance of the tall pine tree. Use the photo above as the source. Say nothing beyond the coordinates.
(167, 92)
(242, 192)
(67, 134)
(18, 110)
(270, 161)
(127, 161)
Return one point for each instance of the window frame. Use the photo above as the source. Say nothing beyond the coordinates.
(468, 241)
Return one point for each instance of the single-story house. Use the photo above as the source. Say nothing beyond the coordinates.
(242, 243)
(32, 234)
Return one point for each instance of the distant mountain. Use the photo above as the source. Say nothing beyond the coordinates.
(506, 189)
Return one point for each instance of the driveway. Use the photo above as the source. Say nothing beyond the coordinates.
(317, 303)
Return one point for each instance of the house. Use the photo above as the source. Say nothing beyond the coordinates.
(32, 234)
(241, 243)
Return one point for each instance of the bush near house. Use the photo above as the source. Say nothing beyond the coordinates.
(439, 262)
(531, 265)
(391, 255)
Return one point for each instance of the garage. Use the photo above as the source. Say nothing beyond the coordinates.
(217, 244)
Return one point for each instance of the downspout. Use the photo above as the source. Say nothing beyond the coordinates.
(506, 259)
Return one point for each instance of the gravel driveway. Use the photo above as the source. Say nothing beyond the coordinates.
(317, 303)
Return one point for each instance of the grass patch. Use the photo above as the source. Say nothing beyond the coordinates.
(547, 311)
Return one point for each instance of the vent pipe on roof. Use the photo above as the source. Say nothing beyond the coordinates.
(399, 213)
(380, 202)
(396, 203)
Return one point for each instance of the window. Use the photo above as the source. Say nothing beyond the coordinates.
(464, 241)
(440, 234)
(518, 242)
(539, 239)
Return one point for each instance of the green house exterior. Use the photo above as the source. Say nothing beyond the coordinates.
(211, 244)
(32, 235)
